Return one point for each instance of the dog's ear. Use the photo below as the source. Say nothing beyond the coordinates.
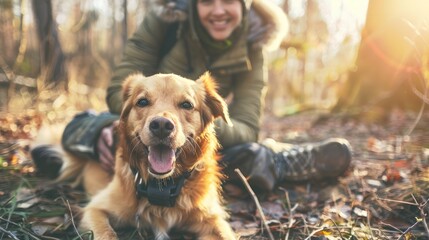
(127, 86)
(216, 106)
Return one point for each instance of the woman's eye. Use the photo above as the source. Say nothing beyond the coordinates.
(142, 102)
(186, 105)
(205, 2)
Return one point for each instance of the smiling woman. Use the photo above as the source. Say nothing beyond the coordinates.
(220, 17)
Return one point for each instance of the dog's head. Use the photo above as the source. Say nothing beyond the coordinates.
(166, 122)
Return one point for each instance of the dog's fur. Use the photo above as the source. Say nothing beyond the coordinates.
(188, 109)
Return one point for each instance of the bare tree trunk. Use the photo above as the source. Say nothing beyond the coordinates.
(388, 65)
(286, 6)
(52, 58)
(7, 40)
(125, 22)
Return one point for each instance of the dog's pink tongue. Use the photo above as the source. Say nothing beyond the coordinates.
(161, 158)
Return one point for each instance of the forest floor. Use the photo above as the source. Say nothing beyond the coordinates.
(384, 196)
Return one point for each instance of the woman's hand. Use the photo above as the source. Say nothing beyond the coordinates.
(105, 147)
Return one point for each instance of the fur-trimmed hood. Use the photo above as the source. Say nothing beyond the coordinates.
(268, 24)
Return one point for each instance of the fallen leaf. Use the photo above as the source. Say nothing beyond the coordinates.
(324, 232)
(378, 146)
(39, 229)
(360, 212)
(26, 197)
(374, 183)
(29, 203)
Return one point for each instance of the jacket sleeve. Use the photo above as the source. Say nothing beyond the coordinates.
(81, 134)
(246, 109)
(141, 54)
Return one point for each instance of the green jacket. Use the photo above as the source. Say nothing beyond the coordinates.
(241, 72)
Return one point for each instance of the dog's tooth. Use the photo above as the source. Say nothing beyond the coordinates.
(141, 180)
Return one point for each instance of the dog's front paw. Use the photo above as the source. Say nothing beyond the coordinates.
(97, 221)
(108, 235)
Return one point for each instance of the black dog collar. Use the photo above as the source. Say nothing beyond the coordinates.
(160, 192)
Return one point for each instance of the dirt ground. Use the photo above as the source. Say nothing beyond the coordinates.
(384, 195)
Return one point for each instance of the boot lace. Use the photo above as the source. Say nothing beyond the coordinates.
(296, 163)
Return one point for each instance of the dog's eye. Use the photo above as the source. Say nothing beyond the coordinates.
(186, 105)
(142, 102)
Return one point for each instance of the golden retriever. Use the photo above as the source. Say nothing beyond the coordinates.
(166, 172)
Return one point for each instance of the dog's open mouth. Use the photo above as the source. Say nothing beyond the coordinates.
(161, 160)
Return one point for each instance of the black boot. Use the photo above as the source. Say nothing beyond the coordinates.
(312, 161)
(256, 163)
(48, 161)
(269, 163)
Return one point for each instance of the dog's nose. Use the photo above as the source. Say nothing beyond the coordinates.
(161, 127)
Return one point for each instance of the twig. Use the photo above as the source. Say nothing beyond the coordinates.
(22, 230)
(306, 227)
(49, 238)
(72, 219)
(423, 215)
(336, 228)
(390, 225)
(314, 232)
(290, 219)
(369, 224)
(10, 234)
(255, 199)
(7, 201)
(396, 201)
(335, 224)
(291, 214)
(409, 228)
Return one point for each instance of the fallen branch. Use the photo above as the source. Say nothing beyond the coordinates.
(255, 199)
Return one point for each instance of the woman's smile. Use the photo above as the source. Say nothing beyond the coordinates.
(220, 17)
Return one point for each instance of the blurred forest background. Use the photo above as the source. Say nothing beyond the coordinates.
(361, 64)
(365, 57)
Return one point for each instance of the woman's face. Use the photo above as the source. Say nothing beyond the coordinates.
(220, 17)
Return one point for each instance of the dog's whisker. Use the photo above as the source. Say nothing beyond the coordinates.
(135, 142)
(190, 144)
(197, 145)
(194, 145)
